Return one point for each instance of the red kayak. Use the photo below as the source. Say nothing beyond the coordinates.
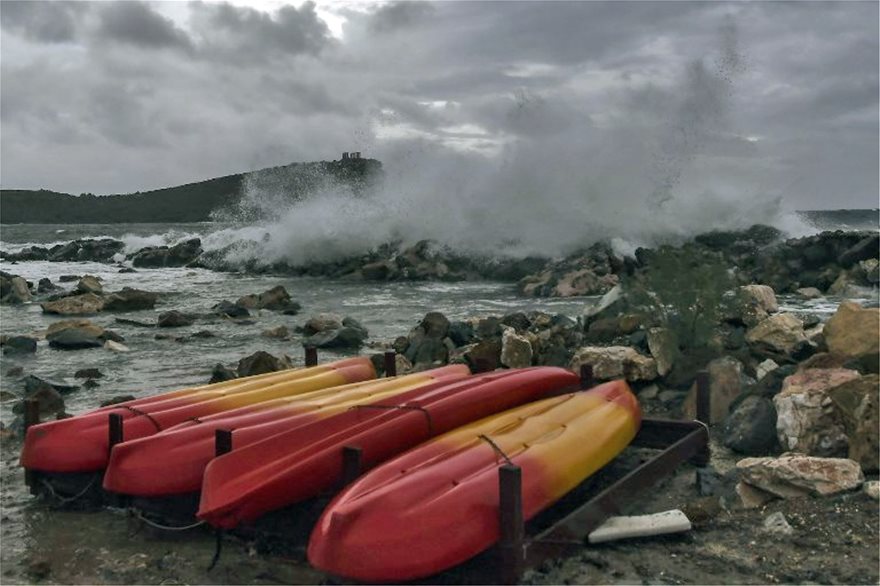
(173, 461)
(293, 466)
(81, 444)
(436, 506)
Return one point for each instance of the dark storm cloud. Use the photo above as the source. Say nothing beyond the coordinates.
(120, 96)
(246, 34)
(47, 22)
(136, 23)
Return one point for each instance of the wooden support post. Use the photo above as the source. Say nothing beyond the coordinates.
(390, 363)
(511, 547)
(222, 441)
(704, 401)
(115, 430)
(351, 464)
(311, 356)
(587, 381)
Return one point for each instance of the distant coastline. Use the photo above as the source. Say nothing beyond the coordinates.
(192, 202)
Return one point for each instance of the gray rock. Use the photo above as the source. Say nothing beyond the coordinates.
(516, 351)
(280, 332)
(221, 373)
(19, 345)
(89, 284)
(462, 333)
(88, 373)
(229, 309)
(45, 285)
(322, 323)
(117, 399)
(435, 325)
(129, 299)
(751, 427)
(87, 303)
(663, 346)
(777, 524)
(174, 319)
(344, 337)
(19, 291)
(260, 363)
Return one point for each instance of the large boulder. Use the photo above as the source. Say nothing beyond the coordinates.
(73, 334)
(609, 305)
(221, 373)
(865, 249)
(611, 362)
(516, 351)
(260, 363)
(89, 284)
(277, 299)
(856, 402)
(725, 386)
(341, 338)
(485, 354)
(229, 309)
(762, 295)
(663, 345)
(435, 325)
(130, 299)
(807, 421)
(321, 323)
(14, 289)
(85, 304)
(751, 427)
(178, 255)
(796, 475)
(854, 332)
(780, 334)
(48, 399)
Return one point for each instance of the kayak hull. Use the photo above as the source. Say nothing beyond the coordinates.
(81, 443)
(245, 484)
(436, 506)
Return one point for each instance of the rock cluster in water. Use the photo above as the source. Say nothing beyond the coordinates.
(838, 263)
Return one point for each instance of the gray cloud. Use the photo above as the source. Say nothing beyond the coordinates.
(47, 22)
(136, 23)
(246, 34)
(777, 98)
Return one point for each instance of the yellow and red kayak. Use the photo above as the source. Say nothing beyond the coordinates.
(436, 506)
(81, 443)
(295, 465)
(172, 461)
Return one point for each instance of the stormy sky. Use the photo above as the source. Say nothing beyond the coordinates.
(777, 98)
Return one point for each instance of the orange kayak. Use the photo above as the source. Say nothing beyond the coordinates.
(436, 506)
(173, 461)
(81, 443)
(299, 464)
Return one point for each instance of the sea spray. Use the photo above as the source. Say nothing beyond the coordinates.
(654, 170)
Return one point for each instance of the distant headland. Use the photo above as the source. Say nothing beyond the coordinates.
(193, 202)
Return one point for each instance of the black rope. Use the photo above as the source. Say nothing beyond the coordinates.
(145, 414)
(495, 447)
(404, 408)
(217, 547)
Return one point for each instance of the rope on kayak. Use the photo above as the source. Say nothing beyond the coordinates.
(196, 419)
(495, 447)
(67, 500)
(403, 408)
(145, 414)
(155, 525)
(217, 549)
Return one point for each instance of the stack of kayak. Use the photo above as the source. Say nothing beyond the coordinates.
(430, 443)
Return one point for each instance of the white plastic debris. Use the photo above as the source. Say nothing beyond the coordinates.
(674, 521)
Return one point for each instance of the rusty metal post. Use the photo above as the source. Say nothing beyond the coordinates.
(115, 430)
(390, 363)
(480, 365)
(311, 356)
(222, 441)
(31, 413)
(704, 401)
(31, 417)
(587, 380)
(351, 464)
(511, 546)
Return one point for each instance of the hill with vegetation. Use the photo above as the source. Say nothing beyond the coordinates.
(193, 202)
